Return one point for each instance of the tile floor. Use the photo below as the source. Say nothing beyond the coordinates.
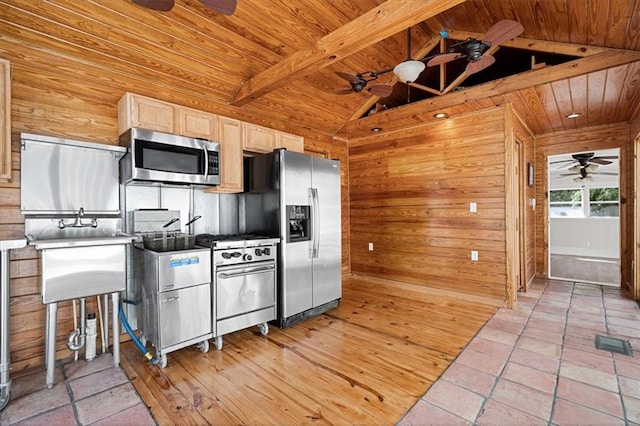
(535, 364)
(85, 393)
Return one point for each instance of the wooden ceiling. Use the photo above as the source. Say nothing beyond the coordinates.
(273, 62)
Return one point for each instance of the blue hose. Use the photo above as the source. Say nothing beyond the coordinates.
(135, 339)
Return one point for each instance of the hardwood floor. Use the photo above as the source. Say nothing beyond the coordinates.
(365, 362)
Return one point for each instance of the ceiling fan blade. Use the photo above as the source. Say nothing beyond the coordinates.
(561, 161)
(480, 64)
(604, 173)
(599, 160)
(381, 90)
(351, 78)
(344, 91)
(502, 31)
(225, 7)
(443, 59)
(159, 5)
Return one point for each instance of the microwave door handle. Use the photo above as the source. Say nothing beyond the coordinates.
(206, 161)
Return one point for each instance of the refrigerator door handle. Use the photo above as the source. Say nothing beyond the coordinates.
(316, 222)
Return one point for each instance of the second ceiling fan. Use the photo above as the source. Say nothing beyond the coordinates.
(473, 50)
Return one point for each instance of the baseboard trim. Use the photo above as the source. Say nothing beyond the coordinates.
(432, 290)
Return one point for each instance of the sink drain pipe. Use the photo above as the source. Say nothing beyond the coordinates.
(136, 341)
(75, 342)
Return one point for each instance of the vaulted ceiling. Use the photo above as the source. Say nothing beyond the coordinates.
(274, 62)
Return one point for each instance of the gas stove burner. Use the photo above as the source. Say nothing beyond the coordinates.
(227, 240)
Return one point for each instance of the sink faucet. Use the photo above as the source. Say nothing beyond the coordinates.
(78, 223)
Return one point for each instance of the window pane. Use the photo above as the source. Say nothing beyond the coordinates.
(604, 210)
(573, 195)
(603, 194)
(565, 210)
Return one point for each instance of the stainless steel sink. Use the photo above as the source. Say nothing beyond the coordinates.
(78, 267)
(94, 240)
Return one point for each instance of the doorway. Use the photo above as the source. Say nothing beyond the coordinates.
(584, 217)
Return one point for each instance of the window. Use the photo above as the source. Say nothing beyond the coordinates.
(604, 202)
(565, 203)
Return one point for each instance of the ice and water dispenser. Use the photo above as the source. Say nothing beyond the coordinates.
(299, 219)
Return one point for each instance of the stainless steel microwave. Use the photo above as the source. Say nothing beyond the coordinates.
(165, 158)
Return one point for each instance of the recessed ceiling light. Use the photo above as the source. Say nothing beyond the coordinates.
(376, 129)
(441, 115)
(574, 115)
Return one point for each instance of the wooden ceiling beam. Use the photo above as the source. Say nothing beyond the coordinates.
(386, 119)
(379, 23)
(569, 49)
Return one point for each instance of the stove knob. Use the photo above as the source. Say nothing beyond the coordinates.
(247, 257)
(266, 251)
(236, 254)
(226, 256)
(258, 252)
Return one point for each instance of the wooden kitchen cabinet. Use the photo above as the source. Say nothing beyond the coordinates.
(230, 134)
(258, 138)
(290, 142)
(147, 113)
(5, 120)
(196, 124)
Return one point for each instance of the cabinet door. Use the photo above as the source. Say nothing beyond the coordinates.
(230, 138)
(196, 124)
(291, 142)
(258, 138)
(5, 120)
(184, 314)
(150, 114)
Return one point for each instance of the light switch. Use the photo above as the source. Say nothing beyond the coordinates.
(473, 207)
(474, 255)
(370, 246)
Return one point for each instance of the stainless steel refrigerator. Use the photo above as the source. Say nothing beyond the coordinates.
(297, 197)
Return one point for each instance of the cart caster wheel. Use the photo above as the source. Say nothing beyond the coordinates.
(204, 346)
(217, 341)
(264, 328)
(4, 400)
(162, 360)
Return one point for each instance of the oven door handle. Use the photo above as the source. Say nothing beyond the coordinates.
(247, 272)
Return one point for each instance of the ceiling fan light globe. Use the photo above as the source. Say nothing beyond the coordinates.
(591, 168)
(574, 169)
(409, 71)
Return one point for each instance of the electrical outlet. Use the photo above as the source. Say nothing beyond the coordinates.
(474, 255)
(370, 246)
(473, 207)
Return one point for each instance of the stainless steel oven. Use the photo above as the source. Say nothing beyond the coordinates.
(244, 282)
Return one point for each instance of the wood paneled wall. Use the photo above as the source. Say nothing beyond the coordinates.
(633, 235)
(588, 139)
(523, 135)
(410, 194)
(75, 99)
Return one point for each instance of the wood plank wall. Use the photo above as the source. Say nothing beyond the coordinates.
(524, 135)
(633, 236)
(587, 139)
(59, 95)
(410, 193)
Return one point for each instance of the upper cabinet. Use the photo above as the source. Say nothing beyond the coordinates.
(147, 113)
(5, 120)
(196, 124)
(290, 142)
(258, 138)
(231, 171)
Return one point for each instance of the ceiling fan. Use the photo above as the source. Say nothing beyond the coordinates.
(586, 158)
(225, 7)
(475, 51)
(585, 165)
(409, 70)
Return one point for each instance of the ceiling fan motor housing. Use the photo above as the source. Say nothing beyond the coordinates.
(473, 49)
